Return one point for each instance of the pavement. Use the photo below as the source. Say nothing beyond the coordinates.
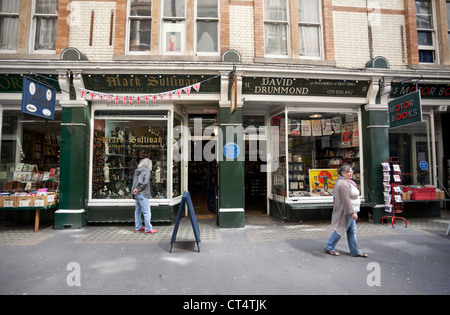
(266, 257)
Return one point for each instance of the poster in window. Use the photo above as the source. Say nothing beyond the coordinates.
(173, 38)
(355, 140)
(326, 127)
(322, 180)
(336, 122)
(316, 127)
(347, 135)
(294, 127)
(306, 128)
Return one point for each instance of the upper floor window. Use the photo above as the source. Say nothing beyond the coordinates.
(207, 26)
(173, 37)
(309, 28)
(139, 25)
(276, 27)
(45, 20)
(9, 24)
(426, 31)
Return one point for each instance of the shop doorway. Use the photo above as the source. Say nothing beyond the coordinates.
(202, 163)
(203, 177)
(255, 182)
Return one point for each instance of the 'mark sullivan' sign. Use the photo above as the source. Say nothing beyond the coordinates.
(405, 110)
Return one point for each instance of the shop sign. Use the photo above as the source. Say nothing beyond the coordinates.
(405, 110)
(12, 83)
(304, 87)
(428, 91)
(423, 165)
(231, 150)
(38, 99)
(147, 84)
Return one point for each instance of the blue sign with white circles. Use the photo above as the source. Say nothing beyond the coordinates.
(38, 99)
(231, 150)
(423, 165)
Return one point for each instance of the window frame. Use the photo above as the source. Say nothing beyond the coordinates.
(207, 19)
(34, 18)
(287, 23)
(163, 35)
(128, 32)
(319, 25)
(16, 16)
(433, 30)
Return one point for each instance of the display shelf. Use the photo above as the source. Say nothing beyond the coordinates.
(392, 191)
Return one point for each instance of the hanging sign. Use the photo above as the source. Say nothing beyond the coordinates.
(405, 110)
(38, 99)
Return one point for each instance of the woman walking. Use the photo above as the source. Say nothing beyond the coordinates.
(141, 195)
(346, 204)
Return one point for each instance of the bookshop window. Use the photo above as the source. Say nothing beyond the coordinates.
(412, 146)
(317, 145)
(120, 141)
(30, 148)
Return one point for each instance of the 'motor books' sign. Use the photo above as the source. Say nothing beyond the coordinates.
(405, 110)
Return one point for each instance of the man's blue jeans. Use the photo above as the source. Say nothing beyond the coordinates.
(142, 206)
(351, 238)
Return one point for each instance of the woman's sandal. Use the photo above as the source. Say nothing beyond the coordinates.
(363, 255)
(332, 253)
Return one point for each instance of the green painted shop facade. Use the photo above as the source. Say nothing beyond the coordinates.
(277, 153)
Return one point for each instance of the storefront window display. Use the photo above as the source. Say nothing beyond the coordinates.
(121, 140)
(312, 146)
(30, 148)
(412, 145)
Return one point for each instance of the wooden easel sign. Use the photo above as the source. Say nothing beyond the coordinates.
(186, 199)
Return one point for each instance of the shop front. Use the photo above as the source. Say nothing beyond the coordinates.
(30, 148)
(135, 116)
(315, 126)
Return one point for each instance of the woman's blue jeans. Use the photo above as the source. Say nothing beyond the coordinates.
(142, 206)
(351, 238)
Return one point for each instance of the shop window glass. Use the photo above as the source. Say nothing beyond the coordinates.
(412, 146)
(177, 157)
(30, 150)
(317, 145)
(278, 134)
(120, 142)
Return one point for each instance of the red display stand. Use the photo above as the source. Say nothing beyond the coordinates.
(392, 191)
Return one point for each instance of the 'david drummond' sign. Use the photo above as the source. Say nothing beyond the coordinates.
(38, 99)
(405, 110)
(304, 87)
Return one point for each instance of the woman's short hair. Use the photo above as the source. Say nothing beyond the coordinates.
(145, 163)
(345, 169)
